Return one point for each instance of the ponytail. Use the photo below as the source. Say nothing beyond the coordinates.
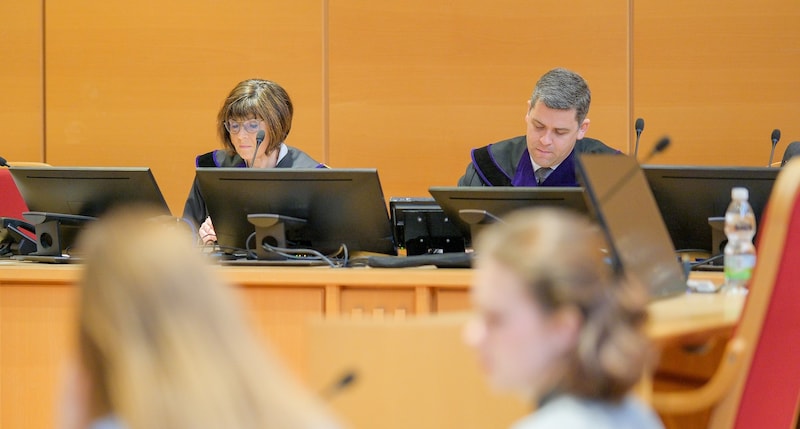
(612, 350)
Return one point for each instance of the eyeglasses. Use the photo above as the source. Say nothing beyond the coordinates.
(250, 125)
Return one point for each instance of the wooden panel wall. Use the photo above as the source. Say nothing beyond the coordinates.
(717, 78)
(21, 104)
(415, 85)
(408, 88)
(140, 83)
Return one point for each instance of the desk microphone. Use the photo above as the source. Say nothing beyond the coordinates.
(259, 138)
(776, 136)
(3, 162)
(345, 381)
(639, 128)
(658, 148)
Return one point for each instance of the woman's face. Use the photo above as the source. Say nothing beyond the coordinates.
(519, 345)
(243, 134)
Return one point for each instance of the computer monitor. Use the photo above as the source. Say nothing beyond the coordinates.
(499, 201)
(338, 206)
(687, 196)
(86, 191)
(638, 242)
(61, 199)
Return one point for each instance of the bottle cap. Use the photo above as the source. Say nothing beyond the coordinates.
(740, 193)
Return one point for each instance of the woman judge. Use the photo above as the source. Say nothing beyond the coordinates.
(253, 105)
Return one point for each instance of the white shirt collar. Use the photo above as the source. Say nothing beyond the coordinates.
(284, 150)
(537, 166)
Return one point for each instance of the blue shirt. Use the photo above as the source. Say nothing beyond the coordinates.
(570, 412)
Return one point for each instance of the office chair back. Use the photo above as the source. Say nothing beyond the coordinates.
(12, 203)
(771, 387)
(757, 383)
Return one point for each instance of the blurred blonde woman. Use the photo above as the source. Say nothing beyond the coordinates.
(163, 342)
(555, 325)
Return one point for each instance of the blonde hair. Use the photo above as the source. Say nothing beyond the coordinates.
(164, 341)
(558, 256)
(264, 99)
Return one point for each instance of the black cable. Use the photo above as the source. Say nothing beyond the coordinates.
(311, 255)
(692, 251)
(707, 260)
(232, 249)
(251, 254)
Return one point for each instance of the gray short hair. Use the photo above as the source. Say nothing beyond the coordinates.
(563, 89)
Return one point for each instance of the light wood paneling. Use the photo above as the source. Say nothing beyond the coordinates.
(21, 103)
(416, 373)
(717, 78)
(36, 326)
(415, 85)
(280, 315)
(377, 302)
(140, 83)
(448, 300)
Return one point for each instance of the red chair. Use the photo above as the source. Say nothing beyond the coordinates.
(11, 202)
(757, 384)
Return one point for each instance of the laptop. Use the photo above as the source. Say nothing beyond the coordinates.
(639, 244)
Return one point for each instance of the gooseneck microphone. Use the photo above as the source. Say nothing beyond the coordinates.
(661, 146)
(3, 162)
(776, 136)
(339, 385)
(639, 128)
(259, 138)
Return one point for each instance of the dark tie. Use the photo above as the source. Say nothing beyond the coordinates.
(542, 173)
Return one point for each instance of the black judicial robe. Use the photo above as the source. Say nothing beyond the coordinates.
(508, 163)
(195, 209)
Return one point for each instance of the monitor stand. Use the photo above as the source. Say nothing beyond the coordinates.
(477, 219)
(48, 226)
(271, 229)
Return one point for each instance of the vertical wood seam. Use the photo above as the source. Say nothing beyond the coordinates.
(44, 82)
(326, 153)
(422, 300)
(630, 76)
(332, 303)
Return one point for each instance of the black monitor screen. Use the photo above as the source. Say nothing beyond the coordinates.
(86, 191)
(340, 206)
(688, 195)
(499, 201)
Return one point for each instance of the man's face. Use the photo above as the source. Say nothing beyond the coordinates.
(552, 133)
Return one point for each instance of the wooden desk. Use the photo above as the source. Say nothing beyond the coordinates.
(37, 305)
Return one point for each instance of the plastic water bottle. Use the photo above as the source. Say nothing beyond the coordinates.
(740, 253)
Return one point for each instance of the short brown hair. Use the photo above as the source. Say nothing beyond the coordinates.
(563, 89)
(264, 99)
(557, 254)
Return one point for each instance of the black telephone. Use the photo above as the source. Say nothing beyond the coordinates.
(13, 239)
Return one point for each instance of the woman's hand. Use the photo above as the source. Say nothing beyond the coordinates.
(207, 233)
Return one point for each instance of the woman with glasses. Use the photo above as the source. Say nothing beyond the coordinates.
(555, 325)
(253, 105)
